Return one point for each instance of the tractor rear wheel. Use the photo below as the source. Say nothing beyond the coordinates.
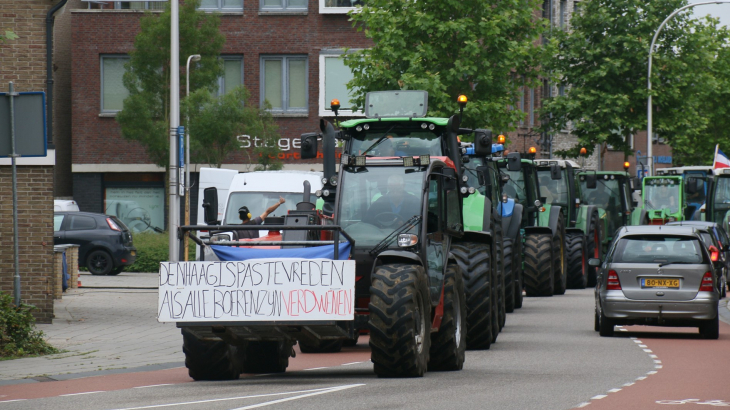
(560, 269)
(518, 271)
(400, 321)
(509, 281)
(576, 260)
(449, 343)
(266, 357)
(324, 346)
(593, 247)
(210, 359)
(475, 261)
(538, 265)
(499, 269)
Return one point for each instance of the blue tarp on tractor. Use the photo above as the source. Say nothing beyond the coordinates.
(227, 253)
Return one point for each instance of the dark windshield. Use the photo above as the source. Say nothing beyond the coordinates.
(661, 193)
(606, 195)
(658, 249)
(721, 201)
(471, 174)
(554, 190)
(376, 200)
(398, 142)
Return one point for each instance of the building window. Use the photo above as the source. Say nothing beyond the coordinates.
(232, 74)
(522, 104)
(113, 91)
(221, 5)
(576, 7)
(141, 208)
(561, 90)
(288, 5)
(563, 6)
(128, 5)
(338, 6)
(532, 108)
(284, 80)
(333, 78)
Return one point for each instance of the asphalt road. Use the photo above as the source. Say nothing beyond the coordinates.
(547, 357)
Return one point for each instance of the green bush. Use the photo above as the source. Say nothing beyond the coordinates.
(18, 337)
(152, 248)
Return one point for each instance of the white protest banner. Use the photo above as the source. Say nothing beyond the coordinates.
(283, 289)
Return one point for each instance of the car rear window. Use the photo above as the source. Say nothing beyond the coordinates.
(658, 249)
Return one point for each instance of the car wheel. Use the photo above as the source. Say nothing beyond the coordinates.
(710, 329)
(596, 321)
(99, 262)
(117, 271)
(605, 326)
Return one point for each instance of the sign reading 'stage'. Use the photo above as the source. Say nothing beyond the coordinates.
(284, 289)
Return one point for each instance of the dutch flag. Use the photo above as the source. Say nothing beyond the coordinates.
(721, 160)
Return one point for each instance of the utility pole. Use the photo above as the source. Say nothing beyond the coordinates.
(174, 199)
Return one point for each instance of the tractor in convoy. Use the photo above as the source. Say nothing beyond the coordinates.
(718, 203)
(542, 227)
(507, 208)
(697, 184)
(396, 129)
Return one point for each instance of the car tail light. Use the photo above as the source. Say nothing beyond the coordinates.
(613, 282)
(113, 226)
(714, 254)
(707, 285)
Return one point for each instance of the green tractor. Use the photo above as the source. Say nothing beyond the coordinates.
(718, 203)
(542, 227)
(584, 232)
(664, 199)
(394, 130)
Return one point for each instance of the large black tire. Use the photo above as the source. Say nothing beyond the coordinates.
(509, 281)
(99, 262)
(560, 269)
(400, 321)
(605, 326)
(353, 341)
(266, 357)
(475, 261)
(499, 269)
(448, 345)
(593, 246)
(576, 260)
(517, 262)
(710, 329)
(538, 273)
(210, 360)
(324, 346)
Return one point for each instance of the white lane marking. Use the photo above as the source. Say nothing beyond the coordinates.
(154, 406)
(632, 338)
(350, 364)
(642, 346)
(637, 341)
(624, 330)
(316, 368)
(599, 397)
(658, 366)
(653, 356)
(614, 390)
(648, 350)
(153, 385)
(657, 361)
(268, 403)
(580, 406)
(652, 372)
(86, 392)
(8, 401)
(641, 378)
(629, 384)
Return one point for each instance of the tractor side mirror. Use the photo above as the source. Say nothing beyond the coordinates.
(635, 183)
(514, 162)
(483, 175)
(594, 263)
(591, 180)
(309, 145)
(210, 205)
(693, 185)
(483, 143)
(555, 172)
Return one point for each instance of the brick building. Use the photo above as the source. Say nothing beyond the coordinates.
(23, 61)
(285, 51)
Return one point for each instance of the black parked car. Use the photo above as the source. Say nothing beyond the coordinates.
(105, 242)
(720, 240)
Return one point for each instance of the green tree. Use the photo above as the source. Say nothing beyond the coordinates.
(602, 62)
(487, 50)
(145, 116)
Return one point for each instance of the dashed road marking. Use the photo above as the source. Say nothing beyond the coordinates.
(641, 378)
(652, 372)
(317, 368)
(350, 364)
(614, 390)
(580, 406)
(648, 350)
(153, 385)
(599, 397)
(86, 392)
(9, 401)
(268, 403)
(629, 384)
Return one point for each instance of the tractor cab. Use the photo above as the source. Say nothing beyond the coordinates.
(611, 192)
(558, 185)
(718, 204)
(663, 199)
(697, 181)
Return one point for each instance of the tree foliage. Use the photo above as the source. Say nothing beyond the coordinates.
(487, 50)
(146, 114)
(602, 62)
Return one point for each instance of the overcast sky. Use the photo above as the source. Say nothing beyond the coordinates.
(715, 10)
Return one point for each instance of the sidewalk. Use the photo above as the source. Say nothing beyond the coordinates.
(109, 323)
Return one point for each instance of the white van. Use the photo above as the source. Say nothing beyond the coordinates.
(65, 205)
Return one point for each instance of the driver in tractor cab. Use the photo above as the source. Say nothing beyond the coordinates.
(664, 197)
(396, 202)
(245, 215)
(388, 149)
(545, 188)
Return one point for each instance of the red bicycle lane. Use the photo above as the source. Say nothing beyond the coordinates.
(690, 372)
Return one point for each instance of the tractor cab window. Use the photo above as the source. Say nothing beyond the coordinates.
(721, 201)
(661, 193)
(554, 190)
(377, 200)
(396, 141)
(607, 196)
(515, 187)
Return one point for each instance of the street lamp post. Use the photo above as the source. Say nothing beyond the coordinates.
(649, 142)
(194, 57)
(173, 195)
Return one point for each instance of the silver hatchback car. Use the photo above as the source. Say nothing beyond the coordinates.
(656, 275)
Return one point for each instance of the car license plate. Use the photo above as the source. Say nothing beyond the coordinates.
(659, 283)
(134, 253)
